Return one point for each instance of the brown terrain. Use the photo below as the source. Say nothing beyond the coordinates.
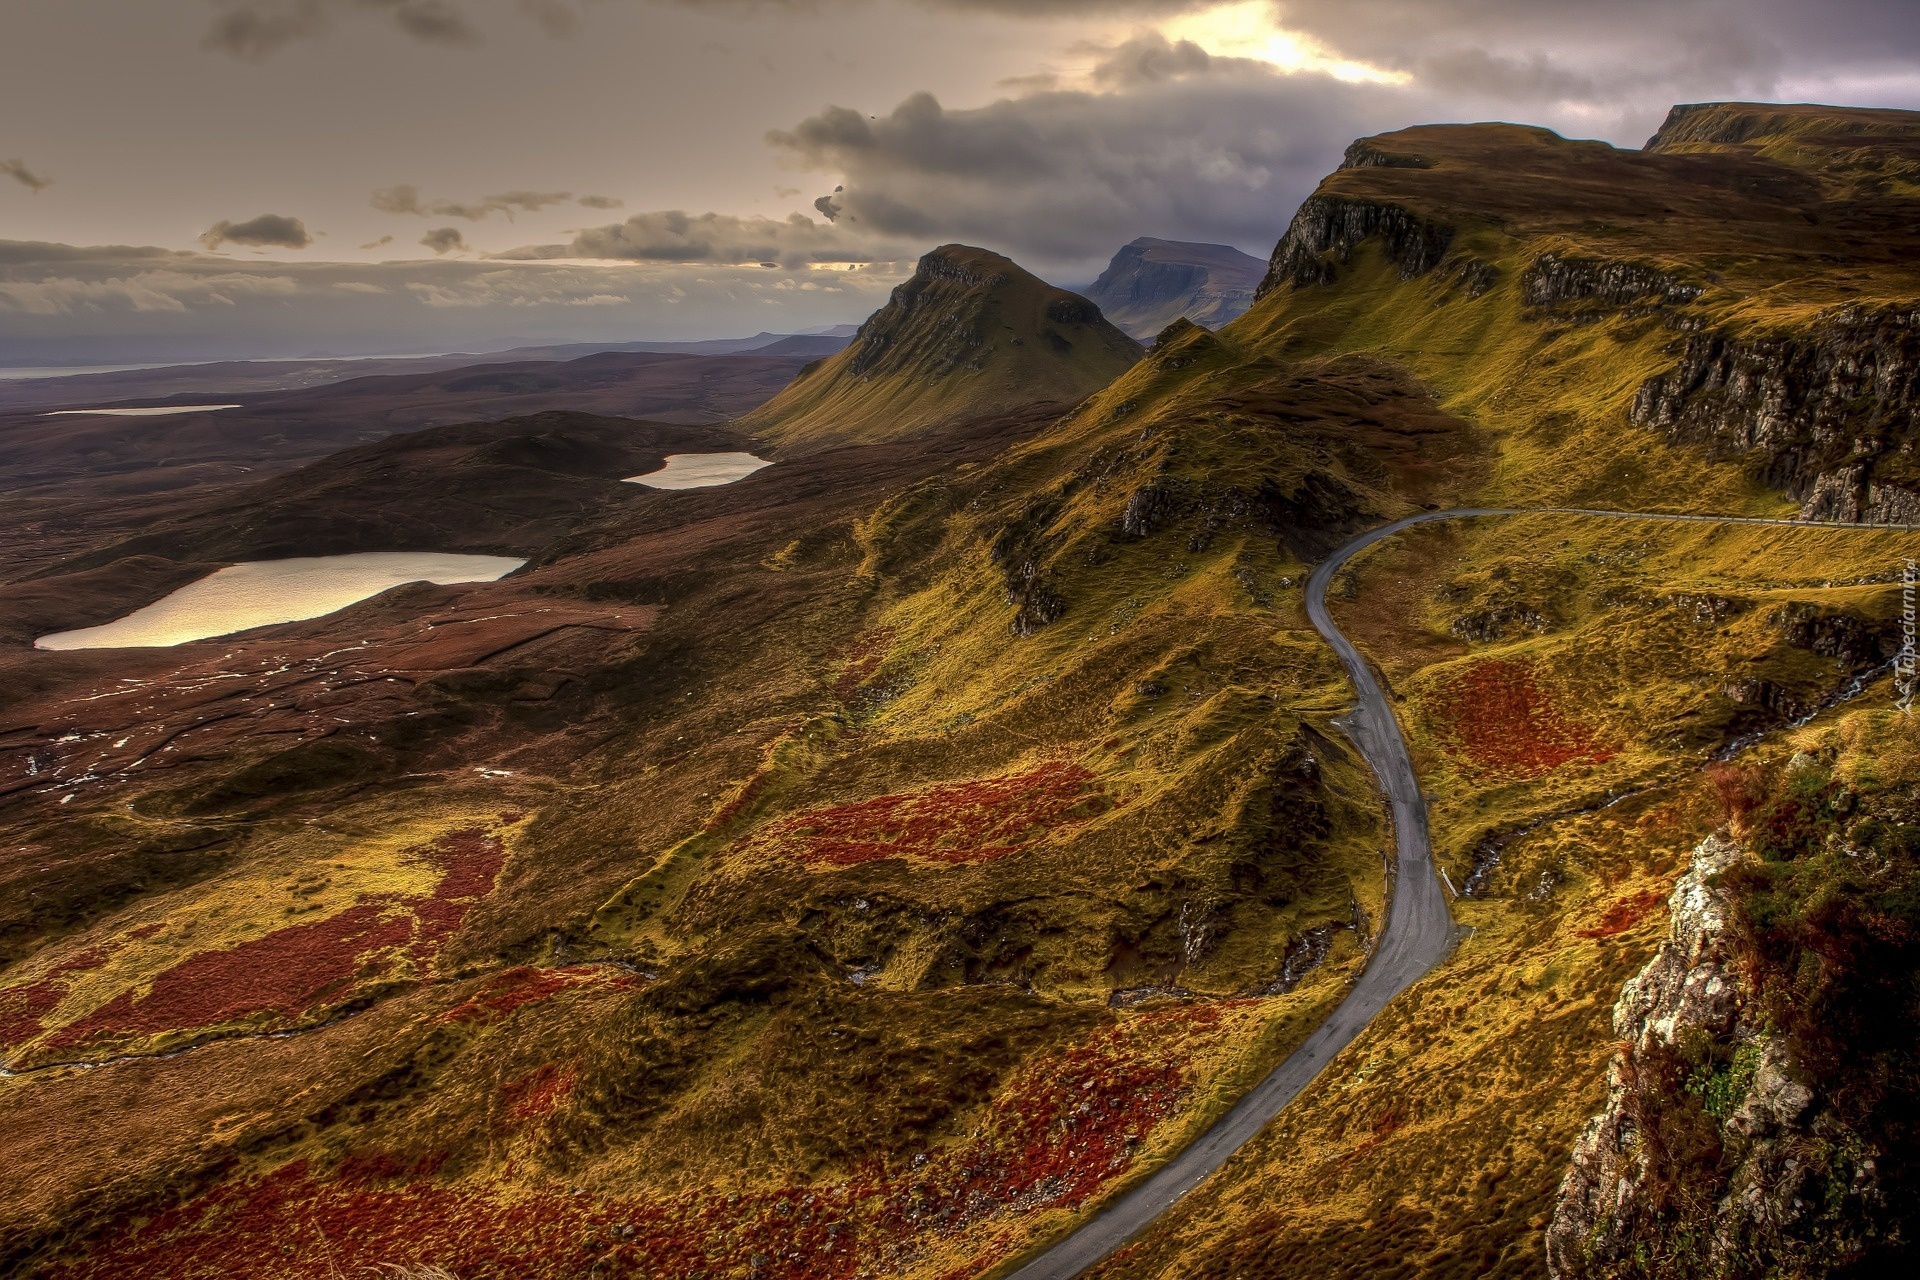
(873, 866)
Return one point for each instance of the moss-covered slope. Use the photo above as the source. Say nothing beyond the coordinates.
(971, 334)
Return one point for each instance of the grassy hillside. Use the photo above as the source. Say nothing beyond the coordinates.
(873, 868)
(970, 334)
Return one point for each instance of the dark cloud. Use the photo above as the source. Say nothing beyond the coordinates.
(258, 29)
(673, 236)
(1150, 58)
(529, 201)
(18, 171)
(1196, 149)
(405, 198)
(381, 243)
(445, 240)
(601, 202)
(269, 229)
(1642, 54)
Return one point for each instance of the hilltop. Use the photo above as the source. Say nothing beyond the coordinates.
(969, 335)
(879, 865)
(1151, 283)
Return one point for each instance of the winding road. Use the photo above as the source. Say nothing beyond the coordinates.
(1419, 930)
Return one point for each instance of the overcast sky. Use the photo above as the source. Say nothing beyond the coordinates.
(299, 176)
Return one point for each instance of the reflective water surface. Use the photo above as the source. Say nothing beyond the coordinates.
(156, 411)
(243, 596)
(700, 470)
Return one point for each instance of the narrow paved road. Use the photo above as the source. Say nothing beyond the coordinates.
(1419, 930)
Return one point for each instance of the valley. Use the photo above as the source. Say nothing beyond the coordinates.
(1043, 805)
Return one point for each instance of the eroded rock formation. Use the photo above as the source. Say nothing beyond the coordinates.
(1327, 228)
(1697, 1085)
(1827, 413)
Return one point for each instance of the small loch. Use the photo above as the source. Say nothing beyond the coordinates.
(260, 593)
(154, 411)
(700, 470)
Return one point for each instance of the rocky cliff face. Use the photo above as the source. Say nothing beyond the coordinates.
(1696, 1086)
(1556, 279)
(1826, 413)
(1326, 230)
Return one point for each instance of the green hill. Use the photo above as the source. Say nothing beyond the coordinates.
(971, 334)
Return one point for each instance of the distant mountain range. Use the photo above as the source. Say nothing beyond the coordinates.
(1151, 283)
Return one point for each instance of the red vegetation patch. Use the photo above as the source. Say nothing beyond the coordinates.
(864, 660)
(295, 970)
(371, 1166)
(954, 823)
(506, 991)
(1063, 1128)
(22, 1007)
(1622, 914)
(1499, 717)
(538, 1093)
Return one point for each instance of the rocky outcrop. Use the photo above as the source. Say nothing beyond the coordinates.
(1365, 154)
(1826, 414)
(1844, 635)
(1631, 1203)
(1327, 229)
(1557, 279)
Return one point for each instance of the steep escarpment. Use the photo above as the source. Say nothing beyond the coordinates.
(970, 335)
(1743, 288)
(1327, 229)
(1825, 411)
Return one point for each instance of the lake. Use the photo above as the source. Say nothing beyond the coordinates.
(243, 596)
(700, 470)
(157, 411)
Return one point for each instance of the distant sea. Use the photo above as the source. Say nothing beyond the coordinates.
(67, 371)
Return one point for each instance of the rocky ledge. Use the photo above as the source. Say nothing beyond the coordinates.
(1827, 412)
(1556, 278)
(1327, 229)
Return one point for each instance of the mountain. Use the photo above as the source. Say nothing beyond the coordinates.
(882, 865)
(1151, 283)
(969, 335)
(1673, 978)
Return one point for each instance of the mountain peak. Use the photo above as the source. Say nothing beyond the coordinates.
(970, 334)
(1152, 282)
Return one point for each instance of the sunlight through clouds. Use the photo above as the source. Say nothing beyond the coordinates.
(1247, 30)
